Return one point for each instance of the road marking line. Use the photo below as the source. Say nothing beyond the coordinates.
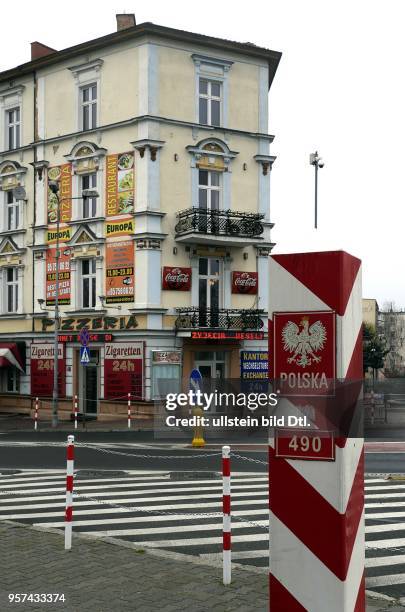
(388, 580)
(381, 561)
(387, 527)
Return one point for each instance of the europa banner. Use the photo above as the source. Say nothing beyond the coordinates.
(123, 370)
(244, 282)
(64, 275)
(304, 351)
(42, 356)
(120, 183)
(178, 279)
(120, 278)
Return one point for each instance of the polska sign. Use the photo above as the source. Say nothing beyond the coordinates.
(304, 349)
(178, 279)
(244, 282)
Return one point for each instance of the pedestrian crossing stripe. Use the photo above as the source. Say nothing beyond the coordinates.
(148, 495)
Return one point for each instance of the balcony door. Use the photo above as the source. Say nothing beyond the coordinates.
(209, 200)
(209, 291)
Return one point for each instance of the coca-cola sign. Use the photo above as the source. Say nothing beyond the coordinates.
(178, 279)
(244, 282)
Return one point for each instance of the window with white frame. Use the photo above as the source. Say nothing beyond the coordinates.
(13, 125)
(88, 283)
(11, 380)
(12, 210)
(11, 290)
(209, 189)
(209, 102)
(88, 102)
(89, 206)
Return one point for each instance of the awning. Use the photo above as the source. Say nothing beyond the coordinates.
(10, 356)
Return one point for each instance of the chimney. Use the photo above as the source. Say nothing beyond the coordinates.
(125, 21)
(39, 50)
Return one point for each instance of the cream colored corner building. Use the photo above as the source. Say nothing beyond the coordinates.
(182, 119)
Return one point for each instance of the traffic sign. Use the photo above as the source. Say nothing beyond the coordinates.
(195, 380)
(84, 336)
(84, 355)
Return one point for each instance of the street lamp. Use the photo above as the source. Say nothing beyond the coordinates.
(317, 162)
(86, 193)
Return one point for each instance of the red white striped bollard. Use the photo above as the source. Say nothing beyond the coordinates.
(129, 411)
(226, 509)
(75, 411)
(69, 492)
(36, 414)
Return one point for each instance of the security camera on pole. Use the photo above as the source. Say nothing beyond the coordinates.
(316, 162)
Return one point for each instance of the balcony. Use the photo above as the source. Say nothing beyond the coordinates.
(215, 227)
(220, 319)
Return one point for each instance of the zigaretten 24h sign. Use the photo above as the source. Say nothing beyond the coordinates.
(304, 348)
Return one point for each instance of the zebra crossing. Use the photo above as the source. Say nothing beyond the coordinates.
(152, 509)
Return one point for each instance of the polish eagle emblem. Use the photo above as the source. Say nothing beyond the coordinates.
(304, 342)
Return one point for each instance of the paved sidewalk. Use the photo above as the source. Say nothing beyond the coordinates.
(98, 576)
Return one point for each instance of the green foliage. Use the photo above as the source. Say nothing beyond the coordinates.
(374, 349)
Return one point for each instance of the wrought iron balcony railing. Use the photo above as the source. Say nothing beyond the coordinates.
(219, 223)
(221, 318)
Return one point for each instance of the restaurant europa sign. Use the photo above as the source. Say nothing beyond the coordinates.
(178, 279)
(304, 349)
(244, 282)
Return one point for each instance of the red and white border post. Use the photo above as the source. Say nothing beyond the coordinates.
(226, 509)
(129, 411)
(76, 411)
(69, 492)
(36, 414)
(316, 503)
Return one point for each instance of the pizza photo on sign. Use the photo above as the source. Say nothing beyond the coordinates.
(304, 352)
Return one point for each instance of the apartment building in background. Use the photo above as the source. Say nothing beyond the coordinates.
(168, 267)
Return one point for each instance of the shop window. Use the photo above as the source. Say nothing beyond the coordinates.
(88, 283)
(11, 380)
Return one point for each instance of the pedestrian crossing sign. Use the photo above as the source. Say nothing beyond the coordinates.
(84, 355)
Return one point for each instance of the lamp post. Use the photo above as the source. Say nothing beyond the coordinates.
(317, 162)
(86, 193)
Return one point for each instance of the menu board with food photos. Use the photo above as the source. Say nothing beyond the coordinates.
(120, 184)
(63, 176)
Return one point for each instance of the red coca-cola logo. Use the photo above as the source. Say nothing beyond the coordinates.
(244, 282)
(178, 279)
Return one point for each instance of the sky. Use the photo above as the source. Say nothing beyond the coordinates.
(339, 89)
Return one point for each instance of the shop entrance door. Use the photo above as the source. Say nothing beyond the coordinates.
(89, 384)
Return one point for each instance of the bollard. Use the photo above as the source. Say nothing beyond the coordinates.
(69, 492)
(36, 414)
(129, 411)
(76, 411)
(198, 439)
(226, 510)
(317, 491)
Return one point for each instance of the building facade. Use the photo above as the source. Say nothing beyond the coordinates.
(167, 268)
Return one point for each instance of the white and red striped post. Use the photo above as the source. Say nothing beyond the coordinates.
(129, 411)
(75, 411)
(317, 507)
(226, 510)
(69, 492)
(36, 414)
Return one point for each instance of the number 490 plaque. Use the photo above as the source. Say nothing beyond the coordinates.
(303, 444)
